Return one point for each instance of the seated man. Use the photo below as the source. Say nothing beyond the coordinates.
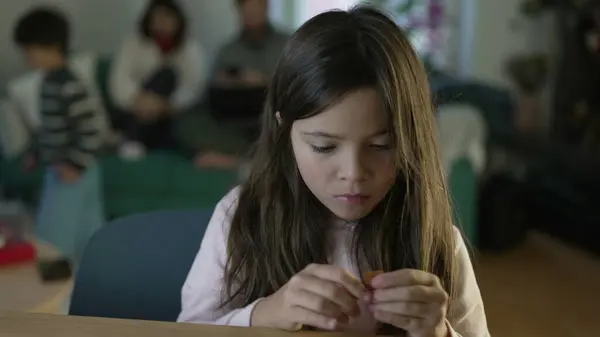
(240, 77)
(249, 60)
(244, 67)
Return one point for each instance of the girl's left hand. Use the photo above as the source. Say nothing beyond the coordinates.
(412, 300)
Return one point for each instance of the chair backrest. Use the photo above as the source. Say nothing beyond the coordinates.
(134, 267)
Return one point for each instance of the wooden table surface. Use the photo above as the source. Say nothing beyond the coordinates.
(21, 288)
(47, 325)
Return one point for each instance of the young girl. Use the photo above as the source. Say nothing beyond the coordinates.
(157, 72)
(345, 180)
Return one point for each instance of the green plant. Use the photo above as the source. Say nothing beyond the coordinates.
(400, 9)
(397, 7)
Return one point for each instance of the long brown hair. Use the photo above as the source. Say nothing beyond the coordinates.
(279, 227)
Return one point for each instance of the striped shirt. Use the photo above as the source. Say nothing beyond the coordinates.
(70, 121)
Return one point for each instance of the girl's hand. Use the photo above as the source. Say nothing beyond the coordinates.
(412, 300)
(321, 296)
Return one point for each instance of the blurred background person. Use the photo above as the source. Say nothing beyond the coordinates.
(250, 58)
(158, 73)
(68, 139)
(243, 66)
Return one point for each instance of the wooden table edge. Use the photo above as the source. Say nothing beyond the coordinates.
(19, 324)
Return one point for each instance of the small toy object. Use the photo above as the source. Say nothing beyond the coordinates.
(368, 278)
(19, 252)
(14, 248)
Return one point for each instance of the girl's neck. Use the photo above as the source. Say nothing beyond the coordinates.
(341, 223)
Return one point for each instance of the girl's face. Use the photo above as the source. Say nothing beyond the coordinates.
(163, 22)
(344, 154)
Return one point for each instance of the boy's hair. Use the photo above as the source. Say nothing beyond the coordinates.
(279, 226)
(44, 27)
(173, 7)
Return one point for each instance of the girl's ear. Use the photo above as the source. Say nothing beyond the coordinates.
(278, 117)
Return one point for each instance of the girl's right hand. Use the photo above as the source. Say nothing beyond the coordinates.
(321, 296)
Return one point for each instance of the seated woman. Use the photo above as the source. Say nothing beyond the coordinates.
(158, 73)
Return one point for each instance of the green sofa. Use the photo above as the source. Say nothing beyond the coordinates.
(166, 180)
(162, 180)
(464, 190)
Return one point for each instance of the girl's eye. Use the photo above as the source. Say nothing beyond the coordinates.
(381, 146)
(322, 149)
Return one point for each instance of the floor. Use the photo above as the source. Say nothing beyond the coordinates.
(541, 288)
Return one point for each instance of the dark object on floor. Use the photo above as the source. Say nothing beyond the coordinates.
(566, 205)
(135, 267)
(502, 217)
(55, 270)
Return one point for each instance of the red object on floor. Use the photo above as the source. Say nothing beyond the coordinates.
(16, 253)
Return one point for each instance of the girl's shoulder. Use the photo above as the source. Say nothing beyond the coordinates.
(228, 203)
(220, 221)
(459, 240)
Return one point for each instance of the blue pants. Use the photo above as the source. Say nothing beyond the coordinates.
(70, 213)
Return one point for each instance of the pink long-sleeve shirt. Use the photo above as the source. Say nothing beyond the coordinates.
(201, 295)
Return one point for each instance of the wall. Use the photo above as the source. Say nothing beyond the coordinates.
(306, 9)
(100, 25)
(500, 32)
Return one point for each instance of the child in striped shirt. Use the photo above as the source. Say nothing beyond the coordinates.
(68, 140)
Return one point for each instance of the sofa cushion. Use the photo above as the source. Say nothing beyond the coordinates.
(147, 174)
(463, 185)
(198, 188)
